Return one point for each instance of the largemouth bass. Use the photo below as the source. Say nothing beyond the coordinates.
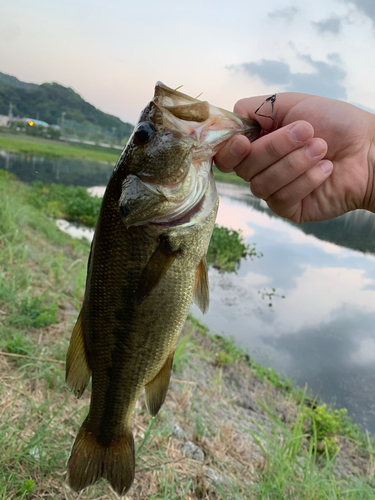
(147, 263)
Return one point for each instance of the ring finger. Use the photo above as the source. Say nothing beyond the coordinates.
(286, 170)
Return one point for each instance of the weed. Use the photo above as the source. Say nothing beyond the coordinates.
(227, 248)
(17, 343)
(73, 203)
(27, 488)
(293, 468)
(265, 294)
(183, 353)
(32, 311)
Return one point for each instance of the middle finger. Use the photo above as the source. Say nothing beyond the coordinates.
(288, 169)
(270, 148)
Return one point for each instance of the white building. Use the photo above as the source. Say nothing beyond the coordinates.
(4, 120)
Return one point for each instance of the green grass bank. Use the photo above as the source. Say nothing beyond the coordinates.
(258, 437)
(43, 147)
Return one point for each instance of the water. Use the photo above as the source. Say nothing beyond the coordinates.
(322, 333)
(73, 171)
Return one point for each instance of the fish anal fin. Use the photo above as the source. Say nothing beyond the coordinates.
(159, 263)
(78, 372)
(90, 460)
(201, 295)
(156, 390)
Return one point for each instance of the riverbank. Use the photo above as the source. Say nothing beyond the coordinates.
(45, 147)
(229, 429)
(39, 146)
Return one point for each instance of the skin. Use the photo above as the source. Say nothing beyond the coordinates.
(317, 163)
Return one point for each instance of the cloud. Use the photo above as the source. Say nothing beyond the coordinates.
(326, 80)
(367, 7)
(332, 25)
(287, 13)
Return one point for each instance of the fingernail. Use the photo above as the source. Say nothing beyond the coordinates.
(315, 148)
(300, 132)
(237, 148)
(326, 166)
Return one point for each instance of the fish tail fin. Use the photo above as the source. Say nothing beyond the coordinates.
(90, 461)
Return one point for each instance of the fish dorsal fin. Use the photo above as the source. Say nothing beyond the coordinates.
(78, 372)
(201, 295)
(156, 390)
(159, 263)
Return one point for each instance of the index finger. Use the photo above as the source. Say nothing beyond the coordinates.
(283, 103)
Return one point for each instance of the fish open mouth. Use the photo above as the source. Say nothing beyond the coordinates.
(190, 192)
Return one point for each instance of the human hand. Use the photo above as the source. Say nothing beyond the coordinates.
(319, 163)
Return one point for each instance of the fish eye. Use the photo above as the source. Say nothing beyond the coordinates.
(144, 133)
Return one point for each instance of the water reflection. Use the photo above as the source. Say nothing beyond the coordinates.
(354, 230)
(70, 171)
(322, 333)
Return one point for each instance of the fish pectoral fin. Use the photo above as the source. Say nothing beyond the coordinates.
(78, 372)
(201, 294)
(156, 390)
(159, 263)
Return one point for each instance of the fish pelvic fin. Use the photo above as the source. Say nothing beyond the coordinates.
(78, 372)
(90, 461)
(201, 295)
(156, 390)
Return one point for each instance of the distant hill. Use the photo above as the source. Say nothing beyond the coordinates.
(50, 100)
(14, 82)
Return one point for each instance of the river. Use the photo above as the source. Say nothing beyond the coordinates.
(323, 332)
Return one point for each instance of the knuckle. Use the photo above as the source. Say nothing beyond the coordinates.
(272, 149)
(240, 106)
(256, 187)
(281, 197)
(291, 163)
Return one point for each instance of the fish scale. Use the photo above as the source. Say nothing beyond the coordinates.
(147, 263)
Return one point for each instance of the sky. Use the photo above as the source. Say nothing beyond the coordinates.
(113, 52)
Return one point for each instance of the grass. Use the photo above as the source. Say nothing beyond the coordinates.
(295, 469)
(42, 276)
(329, 422)
(44, 147)
(73, 203)
(226, 249)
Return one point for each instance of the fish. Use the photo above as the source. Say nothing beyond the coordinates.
(146, 265)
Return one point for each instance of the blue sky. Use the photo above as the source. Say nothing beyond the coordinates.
(113, 52)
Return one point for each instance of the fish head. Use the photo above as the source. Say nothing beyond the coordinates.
(167, 163)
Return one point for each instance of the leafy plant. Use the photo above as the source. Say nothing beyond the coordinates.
(73, 203)
(329, 423)
(27, 488)
(33, 311)
(227, 248)
(265, 294)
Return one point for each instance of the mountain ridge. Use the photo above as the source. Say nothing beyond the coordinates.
(49, 101)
